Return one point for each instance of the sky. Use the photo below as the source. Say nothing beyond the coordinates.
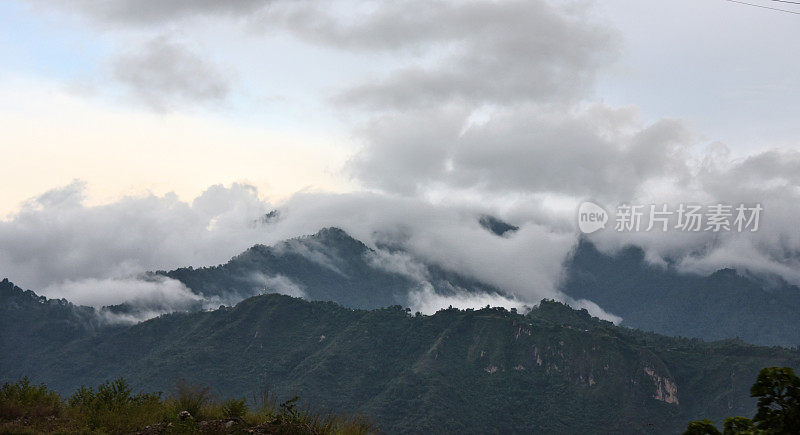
(141, 135)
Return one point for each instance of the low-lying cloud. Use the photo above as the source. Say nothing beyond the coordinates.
(56, 237)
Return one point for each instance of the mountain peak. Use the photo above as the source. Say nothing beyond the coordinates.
(496, 226)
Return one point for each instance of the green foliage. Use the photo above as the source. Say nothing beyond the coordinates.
(702, 427)
(192, 397)
(289, 412)
(24, 399)
(114, 395)
(739, 425)
(234, 409)
(554, 370)
(778, 392)
(113, 408)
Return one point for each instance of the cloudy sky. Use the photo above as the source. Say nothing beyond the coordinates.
(144, 134)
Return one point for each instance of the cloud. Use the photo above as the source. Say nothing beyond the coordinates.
(63, 248)
(594, 310)
(163, 73)
(487, 107)
(49, 243)
(490, 104)
(527, 265)
(55, 237)
(143, 298)
(485, 52)
(401, 263)
(768, 178)
(150, 12)
(595, 151)
(312, 251)
(98, 293)
(285, 286)
(426, 301)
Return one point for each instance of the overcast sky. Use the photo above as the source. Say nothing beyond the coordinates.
(518, 108)
(142, 96)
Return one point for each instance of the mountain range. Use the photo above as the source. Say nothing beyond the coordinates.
(342, 338)
(333, 266)
(554, 369)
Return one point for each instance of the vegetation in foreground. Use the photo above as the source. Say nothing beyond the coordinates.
(114, 408)
(778, 393)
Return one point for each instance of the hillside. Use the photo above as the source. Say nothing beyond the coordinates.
(29, 322)
(333, 266)
(327, 266)
(725, 304)
(552, 370)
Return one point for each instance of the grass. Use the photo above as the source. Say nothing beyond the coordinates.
(113, 408)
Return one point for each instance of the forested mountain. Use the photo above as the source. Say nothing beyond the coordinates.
(554, 369)
(725, 304)
(29, 322)
(333, 266)
(327, 266)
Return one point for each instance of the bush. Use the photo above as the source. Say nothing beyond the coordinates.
(234, 409)
(113, 408)
(191, 397)
(23, 399)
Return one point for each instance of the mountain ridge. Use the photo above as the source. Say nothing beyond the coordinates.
(723, 304)
(414, 373)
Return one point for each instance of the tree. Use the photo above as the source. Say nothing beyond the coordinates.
(739, 425)
(702, 427)
(778, 392)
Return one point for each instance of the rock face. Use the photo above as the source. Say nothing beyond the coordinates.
(666, 390)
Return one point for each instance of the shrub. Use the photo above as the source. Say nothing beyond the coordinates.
(115, 395)
(113, 408)
(24, 399)
(191, 397)
(234, 409)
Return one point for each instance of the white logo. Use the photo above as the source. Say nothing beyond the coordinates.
(591, 217)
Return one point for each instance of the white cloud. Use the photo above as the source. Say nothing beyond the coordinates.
(594, 310)
(56, 238)
(426, 301)
(98, 293)
(278, 284)
(398, 262)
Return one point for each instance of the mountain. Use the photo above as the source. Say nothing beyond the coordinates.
(725, 304)
(332, 266)
(497, 226)
(327, 266)
(30, 322)
(553, 370)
